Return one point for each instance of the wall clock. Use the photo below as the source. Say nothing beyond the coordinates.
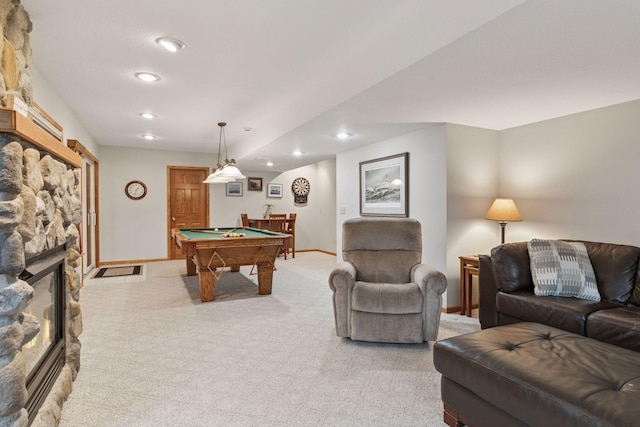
(135, 190)
(300, 188)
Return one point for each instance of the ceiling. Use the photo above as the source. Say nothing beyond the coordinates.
(297, 72)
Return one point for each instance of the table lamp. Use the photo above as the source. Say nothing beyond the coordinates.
(503, 211)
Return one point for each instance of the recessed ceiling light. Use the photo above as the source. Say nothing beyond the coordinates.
(147, 77)
(343, 135)
(148, 115)
(269, 163)
(148, 136)
(172, 45)
(297, 153)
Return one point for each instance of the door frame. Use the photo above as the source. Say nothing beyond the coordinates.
(169, 192)
(88, 156)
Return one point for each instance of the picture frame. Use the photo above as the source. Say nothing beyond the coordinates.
(274, 190)
(384, 186)
(234, 189)
(254, 184)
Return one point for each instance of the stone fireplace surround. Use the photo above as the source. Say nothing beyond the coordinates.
(40, 208)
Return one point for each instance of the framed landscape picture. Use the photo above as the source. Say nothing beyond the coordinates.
(274, 190)
(254, 184)
(234, 189)
(384, 186)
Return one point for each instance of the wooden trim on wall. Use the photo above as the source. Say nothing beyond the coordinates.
(457, 308)
(77, 147)
(316, 250)
(16, 124)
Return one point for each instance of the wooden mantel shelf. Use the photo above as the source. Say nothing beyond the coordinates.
(16, 124)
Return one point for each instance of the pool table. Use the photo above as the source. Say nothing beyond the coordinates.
(213, 250)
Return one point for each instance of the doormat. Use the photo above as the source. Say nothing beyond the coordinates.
(130, 270)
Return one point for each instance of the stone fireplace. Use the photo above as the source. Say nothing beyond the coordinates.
(40, 212)
(39, 248)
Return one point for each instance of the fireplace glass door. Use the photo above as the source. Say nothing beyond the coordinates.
(45, 353)
(42, 306)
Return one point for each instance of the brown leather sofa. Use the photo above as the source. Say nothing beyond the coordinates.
(507, 296)
(546, 360)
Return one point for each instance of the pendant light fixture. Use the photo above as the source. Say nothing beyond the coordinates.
(228, 171)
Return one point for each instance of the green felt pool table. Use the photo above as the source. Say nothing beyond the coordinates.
(214, 249)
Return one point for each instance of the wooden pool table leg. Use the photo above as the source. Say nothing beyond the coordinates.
(191, 266)
(265, 279)
(207, 285)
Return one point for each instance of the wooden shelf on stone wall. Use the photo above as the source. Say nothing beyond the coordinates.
(16, 124)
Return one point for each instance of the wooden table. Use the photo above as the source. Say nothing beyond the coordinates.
(263, 224)
(212, 251)
(469, 267)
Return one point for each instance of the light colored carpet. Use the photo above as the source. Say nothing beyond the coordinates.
(154, 355)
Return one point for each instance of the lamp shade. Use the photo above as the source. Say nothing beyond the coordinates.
(230, 172)
(213, 179)
(227, 172)
(503, 210)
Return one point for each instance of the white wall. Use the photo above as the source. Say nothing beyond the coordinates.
(472, 184)
(326, 194)
(136, 229)
(46, 97)
(575, 176)
(315, 215)
(146, 219)
(427, 186)
(318, 214)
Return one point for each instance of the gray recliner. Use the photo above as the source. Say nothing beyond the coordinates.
(381, 291)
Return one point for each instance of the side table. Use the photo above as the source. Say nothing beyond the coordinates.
(469, 267)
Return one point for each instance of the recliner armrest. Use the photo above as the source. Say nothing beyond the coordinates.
(341, 281)
(341, 275)
(428, 277)
(432, 284)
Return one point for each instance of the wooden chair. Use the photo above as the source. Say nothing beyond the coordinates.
(245, 220)
(277, 223)
(290, 228)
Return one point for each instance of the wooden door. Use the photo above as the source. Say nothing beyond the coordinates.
(188, 201)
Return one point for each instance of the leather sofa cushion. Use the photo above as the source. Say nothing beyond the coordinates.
(512, 267)
(616, 268)
(544, 376)
(620, 326)
(569, 314)
(635, 295)
(386, 298)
